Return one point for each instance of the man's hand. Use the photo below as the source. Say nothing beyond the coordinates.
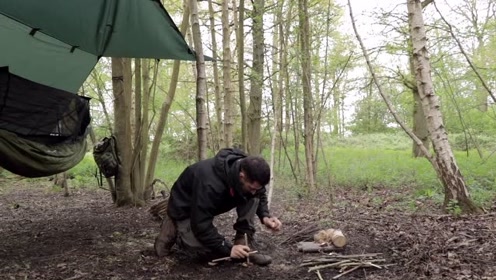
(272, 223)
(239, 251)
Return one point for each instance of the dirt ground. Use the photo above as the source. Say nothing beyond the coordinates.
(44, 235)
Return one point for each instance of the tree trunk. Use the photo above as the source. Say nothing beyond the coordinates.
(164, 111)
(419, 125)
(276, 93)
(294, 111)
(137, 170)
(419, 119)
(226, 72)
(219, 125)
(256, 80)
(122, 132)
(61, 181)
(201, 86)
(304, 30)
(240, 43)
(145, 135)
(455, 189)
(100, 86)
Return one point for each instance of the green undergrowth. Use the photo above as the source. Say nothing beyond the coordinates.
(365, 163)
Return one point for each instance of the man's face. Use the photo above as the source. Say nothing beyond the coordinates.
(247, 185)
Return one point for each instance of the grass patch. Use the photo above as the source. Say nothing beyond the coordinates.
(364, 162)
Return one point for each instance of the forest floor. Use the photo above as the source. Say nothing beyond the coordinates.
(44, 235)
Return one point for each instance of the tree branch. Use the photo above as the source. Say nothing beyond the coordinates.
(426, 2)
(386, 98)
(450, 29)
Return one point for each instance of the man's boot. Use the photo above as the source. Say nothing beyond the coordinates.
(166, 238)
(257, 258)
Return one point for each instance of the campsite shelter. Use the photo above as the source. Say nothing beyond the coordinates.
(47, 50)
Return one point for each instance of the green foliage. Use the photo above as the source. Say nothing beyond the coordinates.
(371, 116)
(369, 168)
(168, 170)
(83, 174)
(454, 208)
(389, 141)
(378, 161)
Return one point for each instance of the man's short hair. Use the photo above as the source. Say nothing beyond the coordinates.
(256, 169)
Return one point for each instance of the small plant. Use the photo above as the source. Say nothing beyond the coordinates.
(454, 208)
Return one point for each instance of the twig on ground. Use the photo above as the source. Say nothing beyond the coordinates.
(346, 272)
(302, 234)
(229, 258)
(247, 257)
(345, 263)
(318, 275)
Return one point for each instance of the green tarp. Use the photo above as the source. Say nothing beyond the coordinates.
(58, 42)
(47, 50)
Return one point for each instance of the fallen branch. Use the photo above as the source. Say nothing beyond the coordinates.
(345, 263)
(319, 275)
(346, 272)
(301, 234)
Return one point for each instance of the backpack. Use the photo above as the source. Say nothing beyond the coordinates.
(105, 155)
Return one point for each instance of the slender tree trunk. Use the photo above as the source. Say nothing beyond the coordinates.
(61, 181)
(136, 168)
(336, 112)
(256, 80)
(455, 189)
(122, 132)
(201, 85)
(285, 116)
(164, 111)
(481, 97)
(276, 92)
(145, 134)
(304, 30)
(101, 98)
(419, 119)
(282, 73)
(240, 43)
(226, 71)
(219, 125)
(294, 111)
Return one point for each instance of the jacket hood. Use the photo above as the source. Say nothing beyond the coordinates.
(227, 167)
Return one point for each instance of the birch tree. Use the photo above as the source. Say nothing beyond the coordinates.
(455, 189)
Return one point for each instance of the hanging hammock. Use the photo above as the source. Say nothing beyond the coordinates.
(50, 47)
(42, 129)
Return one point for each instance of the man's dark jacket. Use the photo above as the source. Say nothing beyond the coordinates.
(209, 188)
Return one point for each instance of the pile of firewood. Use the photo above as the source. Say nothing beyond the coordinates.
(345, 263)
(159, 210)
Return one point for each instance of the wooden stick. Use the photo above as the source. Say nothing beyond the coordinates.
(328, 265)
(228, 258)
(246, 243)
(319, 275)
(346, 272)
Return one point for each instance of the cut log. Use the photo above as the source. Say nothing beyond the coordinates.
(334, 236)
(338, 238)
(312, 247)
